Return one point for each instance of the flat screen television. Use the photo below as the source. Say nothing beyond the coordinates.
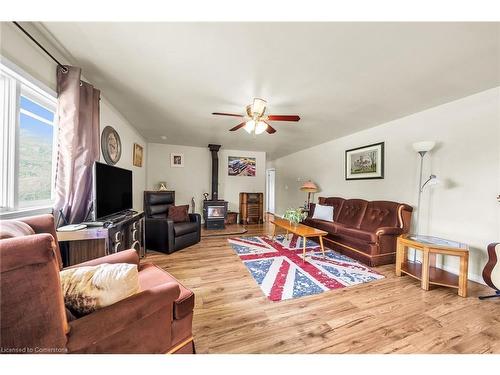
(112, 190)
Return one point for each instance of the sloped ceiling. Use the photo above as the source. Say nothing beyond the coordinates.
(167, 78)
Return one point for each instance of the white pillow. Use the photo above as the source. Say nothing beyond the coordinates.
(323, 213)
(86, 289)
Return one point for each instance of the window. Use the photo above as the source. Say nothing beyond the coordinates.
(27, 110)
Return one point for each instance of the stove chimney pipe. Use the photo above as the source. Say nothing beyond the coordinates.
(215, 171)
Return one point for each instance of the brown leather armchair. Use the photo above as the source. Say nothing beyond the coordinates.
(163, 234)
(158, 319)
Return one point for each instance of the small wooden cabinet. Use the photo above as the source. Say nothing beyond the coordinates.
(251, 208)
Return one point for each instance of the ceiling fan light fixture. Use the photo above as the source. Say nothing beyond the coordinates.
(258, 106)
(260, 127)
(249, 126)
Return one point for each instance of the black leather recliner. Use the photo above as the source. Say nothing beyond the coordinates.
(163, 234)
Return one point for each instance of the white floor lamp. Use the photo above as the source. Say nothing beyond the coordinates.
(422, 148)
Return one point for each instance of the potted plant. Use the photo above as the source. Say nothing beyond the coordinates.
(294, 215)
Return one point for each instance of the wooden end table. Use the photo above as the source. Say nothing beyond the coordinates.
(300, 230)
(427, 272)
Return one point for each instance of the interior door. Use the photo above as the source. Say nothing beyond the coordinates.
(270, 190)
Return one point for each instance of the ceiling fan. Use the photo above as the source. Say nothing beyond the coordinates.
(255, 121)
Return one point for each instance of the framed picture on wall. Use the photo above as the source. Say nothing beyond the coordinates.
(176, 160)
(240, 166)
(365, 163)
(138, 152)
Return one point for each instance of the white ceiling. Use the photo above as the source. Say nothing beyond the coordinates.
(167, 78)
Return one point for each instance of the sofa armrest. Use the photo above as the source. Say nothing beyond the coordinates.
(18, 252)
(32, 306)
(310, 213)
(45, 224)
(159, 234)
(389, 231)
(195, 218)
(101, 330)
(127, 256)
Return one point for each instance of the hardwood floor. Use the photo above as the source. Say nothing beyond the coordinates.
(392, 315)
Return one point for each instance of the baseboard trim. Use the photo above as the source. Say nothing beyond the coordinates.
(471, 276)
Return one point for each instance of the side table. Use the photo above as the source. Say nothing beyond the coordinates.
(427, 272)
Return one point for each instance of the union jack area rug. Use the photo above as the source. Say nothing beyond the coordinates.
(282, 273)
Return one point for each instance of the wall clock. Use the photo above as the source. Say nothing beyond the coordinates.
(111, 145)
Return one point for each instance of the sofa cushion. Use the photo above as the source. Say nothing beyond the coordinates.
(156, 203)
(181, 229)
(322, 212)
(336, 202)
(323, 225)
(320, 224)
(90, 288)
(352, 212)
(158, 211)
(380, 214)
(151, 275)
(178, 214)
(359, 234)
(15, 228)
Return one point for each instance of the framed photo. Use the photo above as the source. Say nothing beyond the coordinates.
(177, 160)
(240, 166)
(365, 163)
(138, 152)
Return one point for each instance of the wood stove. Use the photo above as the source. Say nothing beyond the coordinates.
(214, 213)
(214, 209)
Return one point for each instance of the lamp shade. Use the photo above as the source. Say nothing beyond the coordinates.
(433, 180)
(309, 186)
(260, 127)
(249, 126)
(258, 106)
(424, 146)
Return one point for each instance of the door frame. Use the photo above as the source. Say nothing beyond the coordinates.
(268, 190)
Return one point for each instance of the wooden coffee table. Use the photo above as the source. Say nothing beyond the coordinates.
(300, 230)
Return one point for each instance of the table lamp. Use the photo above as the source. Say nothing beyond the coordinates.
(309, 187)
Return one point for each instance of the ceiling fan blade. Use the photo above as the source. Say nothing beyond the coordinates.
(270, 129)
(237, 126)
(283, 118)
(226, 114)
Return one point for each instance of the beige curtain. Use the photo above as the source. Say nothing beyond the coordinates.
(78, 143)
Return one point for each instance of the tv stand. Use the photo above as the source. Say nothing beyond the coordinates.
(126, 232)
(119, 217)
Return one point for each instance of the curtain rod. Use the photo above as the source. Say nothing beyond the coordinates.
(64, 69)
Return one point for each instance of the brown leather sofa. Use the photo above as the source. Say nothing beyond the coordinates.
(158, 319)
(363, 230)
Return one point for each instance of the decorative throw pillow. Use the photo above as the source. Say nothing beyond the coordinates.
(323, 212)
(179, 214)
(89, 288)
(15, 228)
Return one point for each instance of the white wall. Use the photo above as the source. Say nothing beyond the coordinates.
(231, 186)
(195, 178)
(466, 160)
(16, 47)
(128, 135)
(191, 181)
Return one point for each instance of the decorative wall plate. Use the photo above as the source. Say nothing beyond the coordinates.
(111, 145)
